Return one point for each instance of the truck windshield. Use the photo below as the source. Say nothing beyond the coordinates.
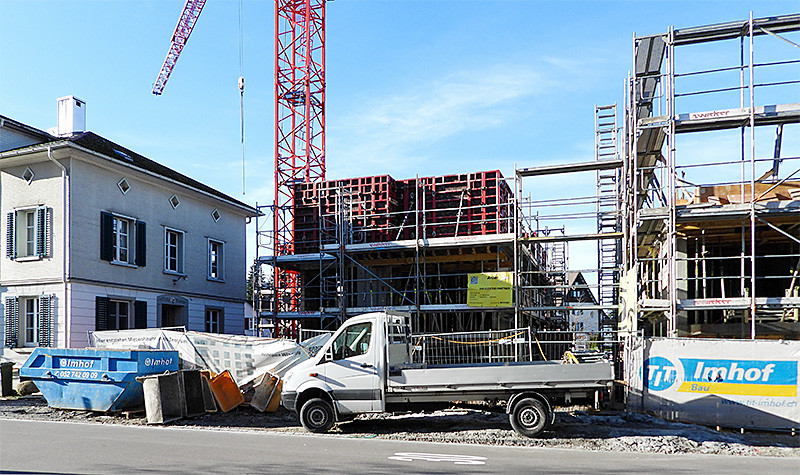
(353, 341)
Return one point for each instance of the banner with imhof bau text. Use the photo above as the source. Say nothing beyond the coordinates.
(490, 289)
(730, 383)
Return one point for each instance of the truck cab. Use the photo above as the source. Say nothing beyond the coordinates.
(347, 376)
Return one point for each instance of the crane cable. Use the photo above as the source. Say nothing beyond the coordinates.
(241, 88)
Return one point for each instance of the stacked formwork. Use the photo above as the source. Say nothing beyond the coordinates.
(381, 209)
(373, 209)
(457, 205)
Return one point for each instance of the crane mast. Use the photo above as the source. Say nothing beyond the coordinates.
(191, 11)
(299, 129)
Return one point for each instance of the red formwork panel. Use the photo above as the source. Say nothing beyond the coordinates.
(375, 206)
(383, 209)
(462, 204)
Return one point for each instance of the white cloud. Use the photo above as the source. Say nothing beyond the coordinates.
(388, 130)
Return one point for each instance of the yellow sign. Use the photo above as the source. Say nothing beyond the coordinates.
(490, 289)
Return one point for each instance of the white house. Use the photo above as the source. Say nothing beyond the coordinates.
(580, 294)
(98, 237)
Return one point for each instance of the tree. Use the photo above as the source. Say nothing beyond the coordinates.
(255, 278)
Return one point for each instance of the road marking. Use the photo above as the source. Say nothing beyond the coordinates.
(456, 459)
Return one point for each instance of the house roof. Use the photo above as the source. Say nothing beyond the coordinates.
(26, 129)
(576, 278)
(120, 154)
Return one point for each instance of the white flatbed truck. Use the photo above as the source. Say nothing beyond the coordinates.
(365, 368)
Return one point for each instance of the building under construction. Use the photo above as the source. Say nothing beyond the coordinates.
(693, 215)
(712, 206)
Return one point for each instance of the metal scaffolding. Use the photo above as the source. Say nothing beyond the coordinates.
(375, 243)
(711, 221)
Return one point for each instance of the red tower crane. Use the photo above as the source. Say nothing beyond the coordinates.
(299, 121)
(299, 129)
(191, 10)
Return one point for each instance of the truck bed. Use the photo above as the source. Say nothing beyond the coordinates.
(490, 380)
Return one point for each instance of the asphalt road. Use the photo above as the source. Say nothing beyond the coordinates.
(58, 447)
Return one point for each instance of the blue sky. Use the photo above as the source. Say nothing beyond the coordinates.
(413, 86)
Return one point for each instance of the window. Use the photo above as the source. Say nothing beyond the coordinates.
(122, 239)
(173, 251)
(118, 315)
(353, 341)
(28, 233)
(30, 325)
(215, 260)
(214, 320)
(28, 321)
(28, 175)
(124, 186)
(28, 229)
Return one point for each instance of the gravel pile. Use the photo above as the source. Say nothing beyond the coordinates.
(476, 424)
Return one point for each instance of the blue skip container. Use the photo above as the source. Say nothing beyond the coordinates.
(94, 379)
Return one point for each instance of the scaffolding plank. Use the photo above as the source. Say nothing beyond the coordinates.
(736, 29)
(574, 237)
(428, 243)
(737, 303)
(732, 118)
(296, 258)
(648, 58)
(570, 168)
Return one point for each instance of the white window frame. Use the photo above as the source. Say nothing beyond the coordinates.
(24, 326)
(212, 326)
(114, 314)
(179, 248)
(117, 237)
(26, 235)
(219, 275)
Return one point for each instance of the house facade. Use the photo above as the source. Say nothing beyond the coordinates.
(580, 293)
(97, 237)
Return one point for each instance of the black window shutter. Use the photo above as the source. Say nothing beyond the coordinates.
(12, 321)
(42, 228)
(141, 244)
(101, 313)
(11, 235)
(46, 320)
(106, 236)
(140, 314)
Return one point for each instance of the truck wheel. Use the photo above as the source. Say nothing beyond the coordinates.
(317, 415)
(529, 417)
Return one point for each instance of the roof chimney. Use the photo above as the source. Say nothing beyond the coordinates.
(71, 116)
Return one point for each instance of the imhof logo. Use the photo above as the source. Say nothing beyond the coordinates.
(774, 378)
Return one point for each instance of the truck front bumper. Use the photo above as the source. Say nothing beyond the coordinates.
(288, 400)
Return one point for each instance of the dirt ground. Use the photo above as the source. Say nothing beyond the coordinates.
(474, 424)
